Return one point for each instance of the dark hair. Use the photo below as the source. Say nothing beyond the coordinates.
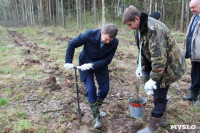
(130, 13)
(110, 29)
(155, 15)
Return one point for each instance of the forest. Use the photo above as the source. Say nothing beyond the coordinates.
(88, 13)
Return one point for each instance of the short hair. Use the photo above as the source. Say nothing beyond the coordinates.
(155, 15)
(130, 13)
(110, 29)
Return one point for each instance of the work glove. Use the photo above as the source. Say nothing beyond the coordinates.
(149, 86)
(68, 65)
(86, 66)
(138, 73)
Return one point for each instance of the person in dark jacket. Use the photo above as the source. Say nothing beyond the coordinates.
(158, 47)
(191, 50)
(97, 53)
(155, 15)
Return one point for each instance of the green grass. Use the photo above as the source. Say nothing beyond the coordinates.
(3, 102)
(6, 70)
(21, 115)
(19, 96)
(43, 129)
(22, 126)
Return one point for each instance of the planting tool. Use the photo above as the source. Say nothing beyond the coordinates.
(77, 91)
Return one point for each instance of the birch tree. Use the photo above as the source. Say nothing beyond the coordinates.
(95, 13)
(103, 13)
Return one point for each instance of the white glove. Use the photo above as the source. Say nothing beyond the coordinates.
(149, 86)
(138, 73)
(85, 66)
(68, 65)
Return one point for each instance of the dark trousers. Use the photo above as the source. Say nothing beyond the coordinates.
(195, 76)
(160, 101)
(91, 90)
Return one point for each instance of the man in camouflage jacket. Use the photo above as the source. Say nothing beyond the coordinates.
(159, 49)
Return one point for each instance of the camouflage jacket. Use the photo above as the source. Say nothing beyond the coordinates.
(160, 49)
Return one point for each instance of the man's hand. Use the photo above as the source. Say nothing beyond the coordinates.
(84, 67)
(138, 73)
(149, 86)
(68, 66)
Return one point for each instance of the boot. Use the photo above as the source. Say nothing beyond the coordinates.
(98, 123)
(193, 96)
(197, 102)
(99, 103)
(164, 122)
(153, 125)
(96, 114)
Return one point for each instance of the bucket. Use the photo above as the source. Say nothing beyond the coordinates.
(137, 110)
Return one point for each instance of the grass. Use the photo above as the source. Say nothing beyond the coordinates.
(3, 102)
(43, 129)
(6, 70)
(22, 126)
(21, 115)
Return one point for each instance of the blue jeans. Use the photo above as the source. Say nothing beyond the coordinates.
(91, 90)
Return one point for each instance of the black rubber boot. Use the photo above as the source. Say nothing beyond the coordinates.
(197, 102)
(192, 97)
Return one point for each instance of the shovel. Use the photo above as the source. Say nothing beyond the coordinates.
(77, 91)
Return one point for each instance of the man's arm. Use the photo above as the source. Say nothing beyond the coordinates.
(76, 42)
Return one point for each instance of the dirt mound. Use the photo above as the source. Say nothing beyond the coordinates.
(64, 38)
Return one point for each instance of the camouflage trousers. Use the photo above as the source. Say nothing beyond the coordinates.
(95, 107)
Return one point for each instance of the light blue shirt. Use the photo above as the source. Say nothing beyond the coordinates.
(101, 44)
(196, 19)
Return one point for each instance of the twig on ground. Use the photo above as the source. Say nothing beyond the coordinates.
(52, 110)
(179, 89)
(29, 100)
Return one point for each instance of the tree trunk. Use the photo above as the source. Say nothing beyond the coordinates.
(182, 16)
(50, 16)
(150, 7)
(80, 14)
(63, 17)
(57, 12)
(145, 5)
(26, 12)
(112, 11)
(95, 13)
(163, 10)
(41, 12)
(17, 11)
(103, 14)
(84, 15)
(177, 15)
(30, 13)
(77, 14)
(187, 14)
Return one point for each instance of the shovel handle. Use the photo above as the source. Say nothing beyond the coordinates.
(74, 66)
